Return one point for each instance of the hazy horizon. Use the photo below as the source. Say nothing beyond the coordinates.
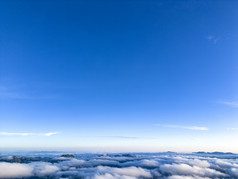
(119, 166)
(107, 150)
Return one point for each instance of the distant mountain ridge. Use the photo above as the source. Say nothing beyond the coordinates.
(214, 153)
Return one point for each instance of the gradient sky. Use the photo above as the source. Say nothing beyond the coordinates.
(119, 75)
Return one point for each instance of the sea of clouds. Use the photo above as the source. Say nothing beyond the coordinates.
(122, 166)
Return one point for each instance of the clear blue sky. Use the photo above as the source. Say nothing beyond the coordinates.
(119, 75)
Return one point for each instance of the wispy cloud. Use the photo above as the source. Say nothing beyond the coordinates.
(18, 93)
(49, 134)
(5, 93)
(129, 137)
(196, 128)
(121, 137)
(212, 39)
(231, 103)
(233, 128)
(27, 134)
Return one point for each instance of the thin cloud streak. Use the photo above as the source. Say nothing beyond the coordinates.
(233, 129)
(195, 128)
(212, 39)
(129, 137)
(231, 103)
(13, 93)
(27, 134)
(121, 137)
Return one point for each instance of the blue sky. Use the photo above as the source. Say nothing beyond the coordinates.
(119, 75)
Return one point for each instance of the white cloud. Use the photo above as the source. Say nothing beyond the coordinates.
(128, 171)
(14, 170)
(150, 163)
(15, 134)
(49, 134)
(110, 176)
(65, 165)
(43, 168)
(199, 163)
(185, 169)
(196, 128)
(27, 134)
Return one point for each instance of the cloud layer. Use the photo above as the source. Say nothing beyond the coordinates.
(121, 166)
